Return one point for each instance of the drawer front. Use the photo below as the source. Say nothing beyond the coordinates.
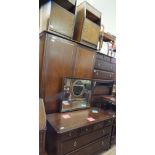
(86, 130)
(99, 56)
(101, 90)
(100, 144)
(106, 125)
(90, 29)
(103, 65)
(106, 58)
(108, 122)
(103, 57)
(63, 25)
(98, 74)
(113, 60)
(70, 135)
(76, 143)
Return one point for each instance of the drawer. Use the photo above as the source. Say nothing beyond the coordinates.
(78, 142)
(100, 144)
(98, 74)
(99, 56)
(102, 90)
(106, 125)
(108, 122)
(86, 130)
(106, 58)
(103, 57)
(103, 65)
(70, 134)
(113, 60)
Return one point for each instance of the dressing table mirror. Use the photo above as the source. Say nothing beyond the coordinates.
(76, 94)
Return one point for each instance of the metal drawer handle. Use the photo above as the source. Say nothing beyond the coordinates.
(70, 134)
(86, 129)
(103, 131)
(75, 143)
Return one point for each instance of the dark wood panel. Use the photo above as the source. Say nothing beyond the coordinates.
(100, 144)
(76, 143)
(61, 25)
(58, 63)
(42, 142)
(41, 61)
(84, 63)
(57, 121)
(51, 17)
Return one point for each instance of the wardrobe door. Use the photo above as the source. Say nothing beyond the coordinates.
(84, 64)
(58, 62)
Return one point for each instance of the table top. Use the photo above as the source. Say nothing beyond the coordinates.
(63, 122)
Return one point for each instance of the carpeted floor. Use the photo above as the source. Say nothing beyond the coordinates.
(111, 151)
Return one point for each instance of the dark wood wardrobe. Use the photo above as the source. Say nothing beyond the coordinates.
(59, 58)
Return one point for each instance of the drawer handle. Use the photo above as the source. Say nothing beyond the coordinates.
(86, 129)
(70, 134)
(75, 143)
(102, 143)
(103, 131)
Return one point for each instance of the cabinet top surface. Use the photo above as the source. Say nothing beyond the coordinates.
(63, 122)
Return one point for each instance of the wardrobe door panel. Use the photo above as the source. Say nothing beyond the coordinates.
(84, 63)
(59, 60)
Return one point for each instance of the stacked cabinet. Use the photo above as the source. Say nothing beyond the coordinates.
(103, 93)
(58, 16)
(61, 58)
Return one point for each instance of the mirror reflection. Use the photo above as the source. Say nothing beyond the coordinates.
(76, 94)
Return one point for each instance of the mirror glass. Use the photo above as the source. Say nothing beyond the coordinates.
(76, 94)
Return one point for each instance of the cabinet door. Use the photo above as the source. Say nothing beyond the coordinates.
(84, 63)
(58, 62)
